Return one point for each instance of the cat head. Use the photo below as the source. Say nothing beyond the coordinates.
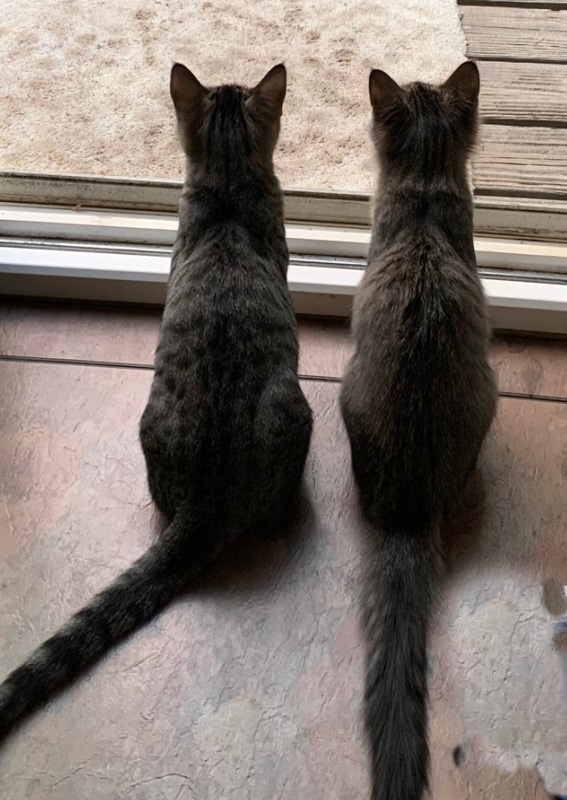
(422, 126)
(231, 119)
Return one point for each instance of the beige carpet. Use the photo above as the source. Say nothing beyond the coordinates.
(85, 85)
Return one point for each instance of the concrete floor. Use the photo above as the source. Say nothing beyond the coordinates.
(249, 687)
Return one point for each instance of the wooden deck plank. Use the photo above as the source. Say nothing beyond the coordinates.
(517, 159)
(554, 4)
(512, 91)
(520, 33)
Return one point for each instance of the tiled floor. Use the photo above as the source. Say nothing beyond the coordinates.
(249, 687)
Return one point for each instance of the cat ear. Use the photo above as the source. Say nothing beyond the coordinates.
(187, 92)
(269, 94)
(384, 91)
(466, 80)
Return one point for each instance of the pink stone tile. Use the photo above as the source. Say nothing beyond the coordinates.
(250, 686)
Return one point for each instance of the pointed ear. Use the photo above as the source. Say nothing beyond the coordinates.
(186, 91)
(384, 91)
(465, 80)
(269, 94)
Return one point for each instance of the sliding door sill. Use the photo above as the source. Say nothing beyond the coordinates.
(519, 300)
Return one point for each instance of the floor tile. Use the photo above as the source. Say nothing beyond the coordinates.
(530, 366)
(250, 685)
(88, 332)
(129, 336)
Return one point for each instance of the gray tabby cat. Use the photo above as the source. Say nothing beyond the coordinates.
(226, 429)
(418, 397)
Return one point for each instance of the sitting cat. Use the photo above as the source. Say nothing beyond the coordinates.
(418, 397)
(226, 429)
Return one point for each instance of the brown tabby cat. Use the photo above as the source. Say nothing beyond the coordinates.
(226, 429)
(418, 397)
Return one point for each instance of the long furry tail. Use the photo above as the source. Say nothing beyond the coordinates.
(133, 599)
(398, 605)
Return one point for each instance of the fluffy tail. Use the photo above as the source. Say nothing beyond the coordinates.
(133, 599)
(398, 606)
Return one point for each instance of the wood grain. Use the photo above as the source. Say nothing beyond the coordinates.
(512, 91)
(530, 160)
(554, 4)
(521, 33)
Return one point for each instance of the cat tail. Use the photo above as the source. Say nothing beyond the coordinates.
(399, 600)
(131, 600)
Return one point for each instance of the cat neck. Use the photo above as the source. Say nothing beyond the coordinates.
(431, 173)
(249, 199)
(409, 205)
(230, 181)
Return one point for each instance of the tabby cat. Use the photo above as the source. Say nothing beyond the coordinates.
(226, 429)
(418, 397)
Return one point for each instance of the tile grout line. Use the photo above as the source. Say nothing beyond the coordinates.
(80, 362)
(77, 362)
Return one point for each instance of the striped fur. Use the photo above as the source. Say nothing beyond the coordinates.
(400, 594)
(226, 429)
(418, 398)
(133, 599)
